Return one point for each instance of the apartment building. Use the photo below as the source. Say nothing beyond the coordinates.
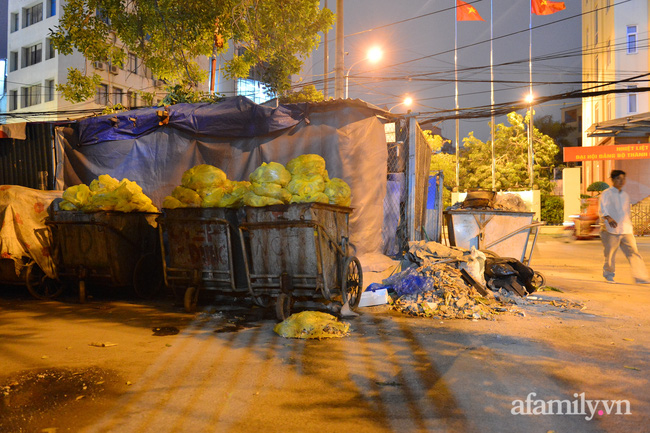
(615, 51)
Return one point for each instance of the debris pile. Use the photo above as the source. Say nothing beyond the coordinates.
(453, 283)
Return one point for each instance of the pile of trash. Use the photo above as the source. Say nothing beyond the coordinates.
(453, 283)
(304, 180)
(312, 325)
(106, 194)
(490, 200)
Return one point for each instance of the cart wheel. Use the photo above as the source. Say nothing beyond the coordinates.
(40, 285)
(191, 299)
(82, 291)
(352, 282)
(283, 306)
(147, 276)
(538, 280)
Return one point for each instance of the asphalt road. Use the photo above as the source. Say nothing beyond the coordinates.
(393, 373)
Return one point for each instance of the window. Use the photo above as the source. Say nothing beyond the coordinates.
(132, 64)
(101, 94)
(609, 108)
(49, 90)
(609, 53)
(596, 70)
(118, 95)
(50, 52)
(631, 39)
(596, 12)
(15, 22)
(32, 55)
(13, 61)
(13, 99)
(631, 101)
(253, 90)
(31, 95)
(51, 8)
(597, 113)
(102, 16)
(131, 99)
(32, 15)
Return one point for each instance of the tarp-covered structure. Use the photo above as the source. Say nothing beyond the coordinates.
(154, 146)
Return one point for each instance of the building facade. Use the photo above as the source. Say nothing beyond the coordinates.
(34, 69)
(614, 61)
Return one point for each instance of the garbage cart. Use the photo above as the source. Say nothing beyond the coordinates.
(202, 249)
(108, 248)
(301, 251)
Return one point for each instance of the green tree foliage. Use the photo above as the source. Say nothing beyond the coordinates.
(308, 93)
(168, 36)
(79, 87)
(552, 208)
(444, 162)
(511, 156)
(558, 131)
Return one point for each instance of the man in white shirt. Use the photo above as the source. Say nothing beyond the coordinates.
(614, 209)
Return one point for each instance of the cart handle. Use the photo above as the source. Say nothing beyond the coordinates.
(509, 235)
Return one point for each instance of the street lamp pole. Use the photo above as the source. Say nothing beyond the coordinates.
(373, 56)
(529, 99)
(407, 101)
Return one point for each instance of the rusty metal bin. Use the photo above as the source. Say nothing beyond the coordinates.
(108, 248)
(301, 250)
(503, 233)
(31, 275)
(202, 249)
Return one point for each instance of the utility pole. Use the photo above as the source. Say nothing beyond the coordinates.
(326, 62)
(338, 69)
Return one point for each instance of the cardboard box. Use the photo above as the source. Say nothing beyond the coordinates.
(373, 297)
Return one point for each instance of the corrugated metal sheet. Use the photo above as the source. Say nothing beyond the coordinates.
(22, 160)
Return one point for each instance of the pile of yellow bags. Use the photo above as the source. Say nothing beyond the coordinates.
(107, 194)
(304, 180)
(205, 185)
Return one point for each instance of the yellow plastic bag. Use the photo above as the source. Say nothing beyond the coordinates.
(272, 172)
(66, 205)
(203, 176)
(211, 196)
(254, 200)
(104, 183)
(170, 202)
(101, 201)
(306, 164)
(317, 197)
(312, 325)
(189, 197)
(78, 195)
(234, 198)
(338, 192)
(269, 189)
(306, 184)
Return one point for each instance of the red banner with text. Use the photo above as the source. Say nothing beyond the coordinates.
(619, 151)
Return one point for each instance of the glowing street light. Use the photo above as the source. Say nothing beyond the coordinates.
(407, 102)
(373, 56)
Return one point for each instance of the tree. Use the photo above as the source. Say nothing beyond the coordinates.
(558, 131)
(308, 93)
(511, 156)
(168, 36)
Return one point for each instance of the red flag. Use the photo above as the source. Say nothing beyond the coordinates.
(545, 7)
(466, 12)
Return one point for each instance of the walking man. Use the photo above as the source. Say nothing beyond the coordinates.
(614, 209)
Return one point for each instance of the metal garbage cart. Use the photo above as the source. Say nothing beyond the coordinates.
(301, 250)
(31, 275)
(202, 249)
(108, 248)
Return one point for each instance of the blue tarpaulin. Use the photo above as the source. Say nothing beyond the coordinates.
(233, 117)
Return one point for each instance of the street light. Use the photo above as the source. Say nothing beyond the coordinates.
(529, 99)
(373, 56)
(407, 101)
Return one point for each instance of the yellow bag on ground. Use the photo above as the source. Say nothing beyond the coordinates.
(170, 202)
(189, 197)
(203, 176)
(317, 197)
(312, 324)
(78, 195)
(254, 200)
(273, 172)
(306, 164)
(273, 190)
(306, 184)
(338, 192)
